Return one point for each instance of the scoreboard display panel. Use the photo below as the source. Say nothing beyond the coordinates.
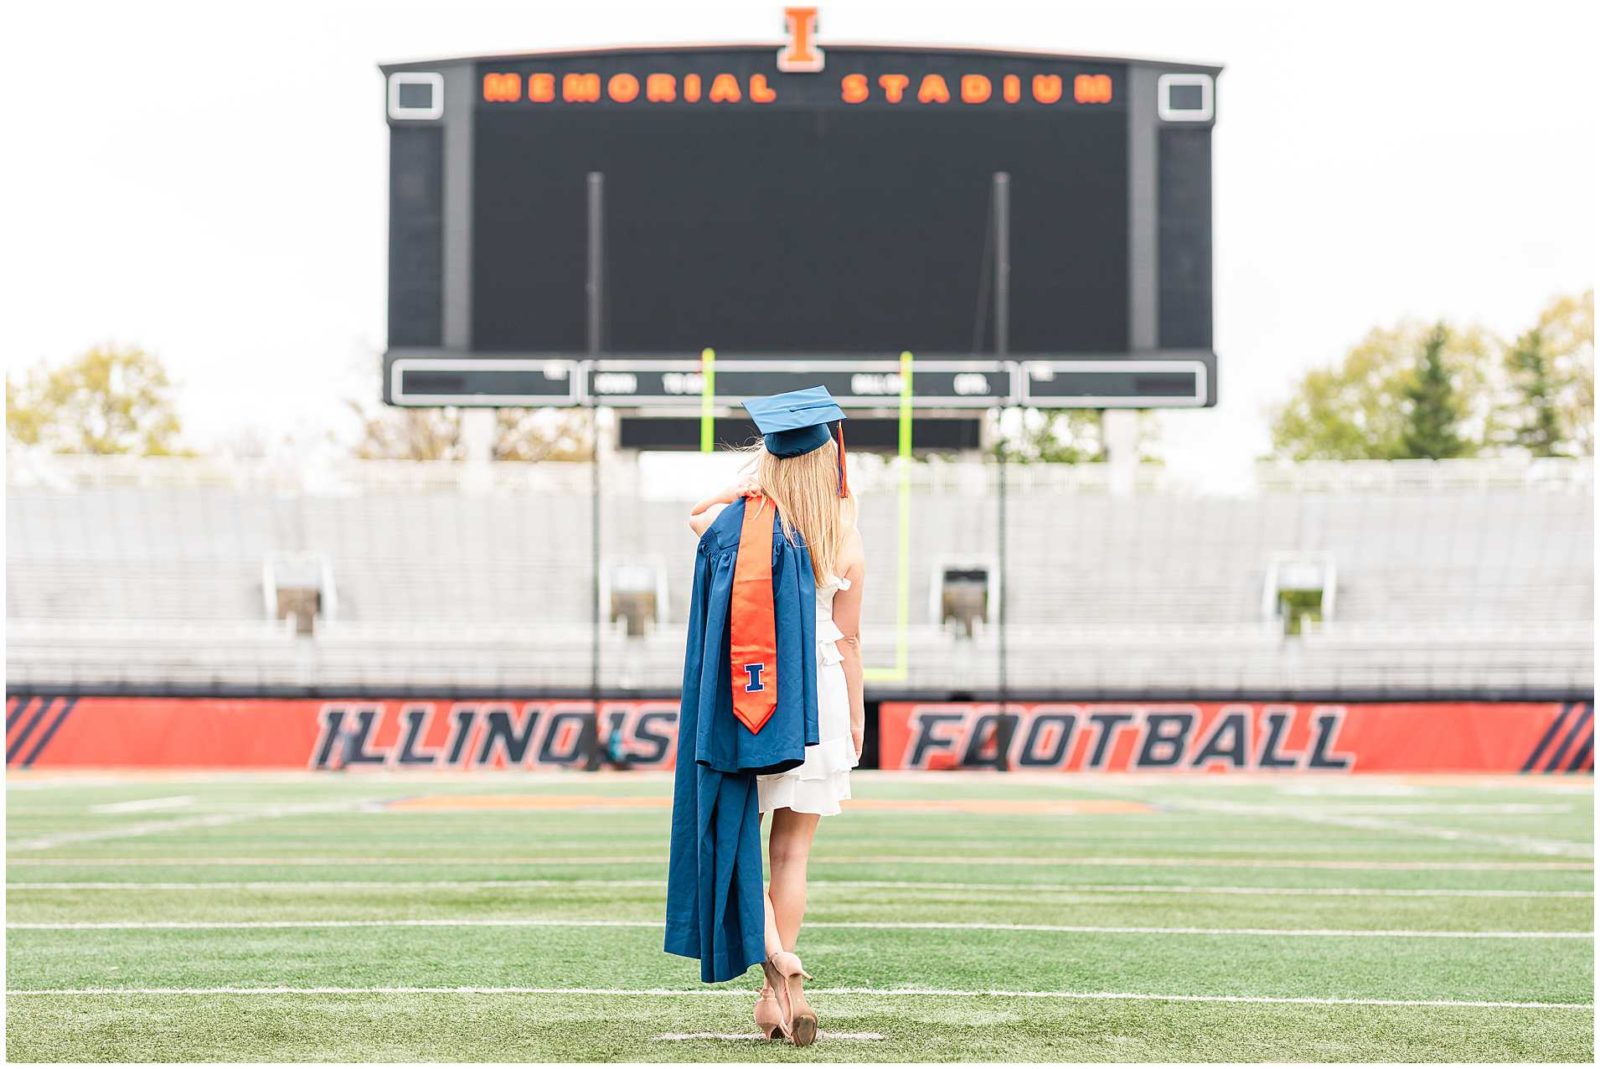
(801, 224)
(842, 213)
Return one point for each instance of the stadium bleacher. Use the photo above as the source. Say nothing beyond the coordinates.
(1461, 577)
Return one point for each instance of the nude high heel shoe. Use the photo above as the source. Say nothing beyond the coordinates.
(769, 1014)
(787, 976)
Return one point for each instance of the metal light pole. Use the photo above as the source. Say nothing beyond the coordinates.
(595, 298)
(1002, 348)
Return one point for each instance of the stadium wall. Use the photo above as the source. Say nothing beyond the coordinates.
(48, 731)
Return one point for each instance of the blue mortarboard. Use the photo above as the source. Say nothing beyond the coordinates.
(795, 423)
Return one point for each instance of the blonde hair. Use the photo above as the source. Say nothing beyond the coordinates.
(806, 490)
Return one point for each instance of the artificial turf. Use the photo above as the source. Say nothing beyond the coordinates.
(399, 930)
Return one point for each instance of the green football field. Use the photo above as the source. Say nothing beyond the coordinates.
(953, 917)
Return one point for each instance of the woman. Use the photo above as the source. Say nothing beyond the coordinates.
(815, 509)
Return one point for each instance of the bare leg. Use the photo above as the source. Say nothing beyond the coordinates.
(770, 1015)
(788, 850)
(773, 943)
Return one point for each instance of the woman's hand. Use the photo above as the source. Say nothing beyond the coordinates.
(704, 512)
(733, 492)
(857, 739)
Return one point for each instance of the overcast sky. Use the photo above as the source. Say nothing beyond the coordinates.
(208, 180)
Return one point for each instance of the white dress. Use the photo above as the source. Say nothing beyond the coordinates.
(819, 785)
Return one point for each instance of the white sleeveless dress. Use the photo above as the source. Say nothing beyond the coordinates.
(819, 785)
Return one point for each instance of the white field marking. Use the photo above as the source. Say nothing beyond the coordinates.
(874, 992)
(1157, 888)
(1350, 787)
(1333, 933)
(1221, 863)
(300, 886)
(1086, 862)
(1443, 808)
(144, 805)
(1197, 780)
(66, 779)
(1524, 843)
(543, 922)
(161, 827)
(757, 1036)
(230, 862)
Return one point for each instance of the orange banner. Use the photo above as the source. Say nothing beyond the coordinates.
(1228, 737)
(44, 731)
(57, 731)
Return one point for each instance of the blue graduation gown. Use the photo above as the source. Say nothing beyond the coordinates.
(714, 884)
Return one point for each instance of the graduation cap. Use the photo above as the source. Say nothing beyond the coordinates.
(798, 422)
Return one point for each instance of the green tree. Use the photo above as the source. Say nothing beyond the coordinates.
(1358, 409)
(1068, 436)
(543, 434)
(1433, 412)
(110, 400)
(1539, 431)
(521, 434)
(1041, 436)
(408, 433)
(1550, 368)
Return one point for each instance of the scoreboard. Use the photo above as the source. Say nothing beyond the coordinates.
(821, 220)
(648, 382)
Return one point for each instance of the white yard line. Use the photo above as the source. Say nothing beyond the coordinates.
(162, 827)
(1159, 889)
(1409, 809)
(1332, 933)
(542, 922)
(1522, 843)
(69, 779)
(758, 1037)
(353, 862)
(716, 992)
(977, 860)
(145, 805)
(302, 886)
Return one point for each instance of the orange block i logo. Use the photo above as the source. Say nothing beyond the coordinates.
(801, 55)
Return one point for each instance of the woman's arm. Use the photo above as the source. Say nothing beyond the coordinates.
(704, 512)
(847, 617)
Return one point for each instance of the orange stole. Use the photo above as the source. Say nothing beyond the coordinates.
(752, 624)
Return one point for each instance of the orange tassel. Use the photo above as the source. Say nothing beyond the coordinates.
(844, 480)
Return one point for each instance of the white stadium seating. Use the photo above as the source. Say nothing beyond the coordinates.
(1461, 577)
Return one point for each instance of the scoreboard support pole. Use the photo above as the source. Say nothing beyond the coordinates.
(1002, 351)
(593, 291)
